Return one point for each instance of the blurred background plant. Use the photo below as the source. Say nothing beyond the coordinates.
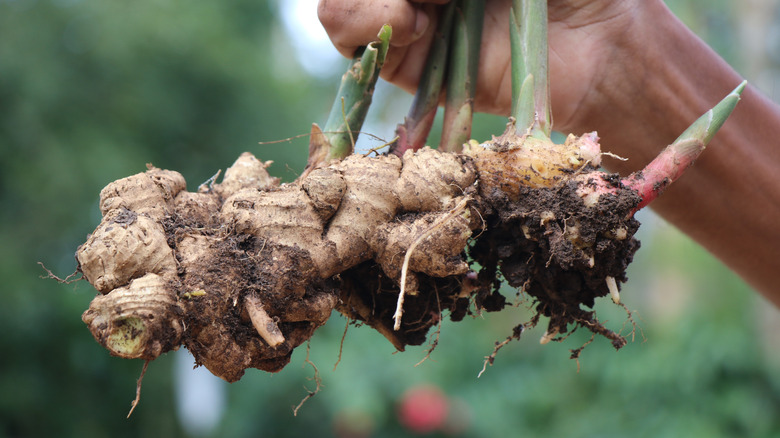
(90, 91)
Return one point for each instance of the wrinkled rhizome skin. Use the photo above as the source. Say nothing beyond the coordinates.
(244, 271)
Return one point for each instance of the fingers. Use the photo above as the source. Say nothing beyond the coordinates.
(354, 23)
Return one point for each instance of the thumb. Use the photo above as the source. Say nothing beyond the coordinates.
(354, 23)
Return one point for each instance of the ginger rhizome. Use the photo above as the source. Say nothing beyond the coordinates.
(243, 271)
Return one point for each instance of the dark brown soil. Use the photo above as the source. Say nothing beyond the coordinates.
(368, 295)
(529, 241)
(219, 332)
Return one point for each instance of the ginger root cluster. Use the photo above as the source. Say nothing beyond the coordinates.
(243, 271)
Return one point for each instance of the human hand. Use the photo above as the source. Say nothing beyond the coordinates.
(585, 42)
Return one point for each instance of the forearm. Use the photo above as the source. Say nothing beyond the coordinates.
(730, 200)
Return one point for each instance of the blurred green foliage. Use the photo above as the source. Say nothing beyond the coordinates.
(90, 91)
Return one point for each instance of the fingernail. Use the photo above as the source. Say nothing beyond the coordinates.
(421, 24)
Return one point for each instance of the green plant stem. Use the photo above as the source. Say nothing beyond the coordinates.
(672, 162)
(462, 71)
(530, 81)
(413, 133)
(705, 127)
(354, 97)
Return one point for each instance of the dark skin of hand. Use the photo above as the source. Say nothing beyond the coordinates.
(632, 71)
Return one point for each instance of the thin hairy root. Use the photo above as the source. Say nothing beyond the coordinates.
(138, 388)
(433, 345)
(341, 344)
(317, 381)
(516, 332)
(67, 280)
(634, 325)
(575, 354)
(399, 310)
(265, 325)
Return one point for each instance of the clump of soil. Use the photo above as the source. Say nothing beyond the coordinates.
(547, 243)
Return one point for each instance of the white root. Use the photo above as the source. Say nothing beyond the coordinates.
(548, 336)
(613, 289)
(265, 325)
(399, 307)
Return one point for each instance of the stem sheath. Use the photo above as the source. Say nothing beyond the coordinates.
(530, 80)
(462, 69)
(413, 133)
(354, 97)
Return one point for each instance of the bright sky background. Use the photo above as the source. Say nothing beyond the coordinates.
(314, 51)
(313, 48)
